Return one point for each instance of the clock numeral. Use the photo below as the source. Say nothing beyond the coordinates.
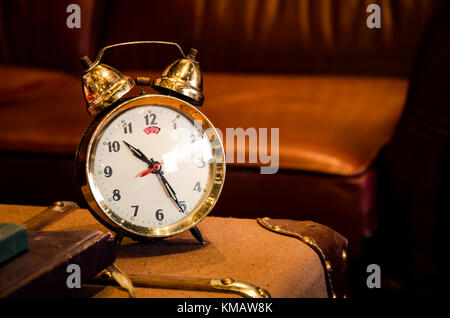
(128, 129)
(159, 215)
(197, 187)
(113, 146)
(150, 119)
(108, 171)
(175, 121)
(136, 208)
(202, 163)
(183, 205)
(116, 195)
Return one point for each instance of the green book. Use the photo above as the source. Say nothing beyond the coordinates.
(13, 241)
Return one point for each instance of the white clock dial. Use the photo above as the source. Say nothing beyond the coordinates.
(123, 181)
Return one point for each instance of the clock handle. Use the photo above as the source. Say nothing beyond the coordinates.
(102, 51)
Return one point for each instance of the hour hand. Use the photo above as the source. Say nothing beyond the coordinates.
(137, 153)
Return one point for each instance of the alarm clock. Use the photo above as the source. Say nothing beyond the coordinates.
(149, 166)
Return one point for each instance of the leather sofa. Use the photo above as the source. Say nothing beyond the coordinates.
(313, 69)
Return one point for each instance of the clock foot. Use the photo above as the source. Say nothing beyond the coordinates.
(118, 240)
(196, 233)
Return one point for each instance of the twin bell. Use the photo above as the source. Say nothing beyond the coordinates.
(104, 85)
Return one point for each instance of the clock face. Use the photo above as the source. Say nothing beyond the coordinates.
(152, 168)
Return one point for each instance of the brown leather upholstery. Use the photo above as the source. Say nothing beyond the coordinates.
(35, 33)
(317, 116)
(272, 36)
(327, 124)
(21, 84)
(46, 116)
(266, 36)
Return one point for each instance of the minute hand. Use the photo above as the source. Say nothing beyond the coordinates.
(169, 189)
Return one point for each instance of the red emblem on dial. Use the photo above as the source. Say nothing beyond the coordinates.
(152, 130)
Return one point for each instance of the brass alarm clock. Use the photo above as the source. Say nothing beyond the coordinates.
(152, 165)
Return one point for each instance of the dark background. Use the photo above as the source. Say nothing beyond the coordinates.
(280, 59)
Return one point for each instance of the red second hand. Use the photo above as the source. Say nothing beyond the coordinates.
(155, 167)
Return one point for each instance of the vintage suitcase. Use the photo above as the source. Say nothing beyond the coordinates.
(242, 257)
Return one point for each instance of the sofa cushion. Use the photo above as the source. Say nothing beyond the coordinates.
(20, 83)
(40, 112)
(333, 125)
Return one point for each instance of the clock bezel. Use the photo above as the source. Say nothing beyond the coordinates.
(110, 219)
